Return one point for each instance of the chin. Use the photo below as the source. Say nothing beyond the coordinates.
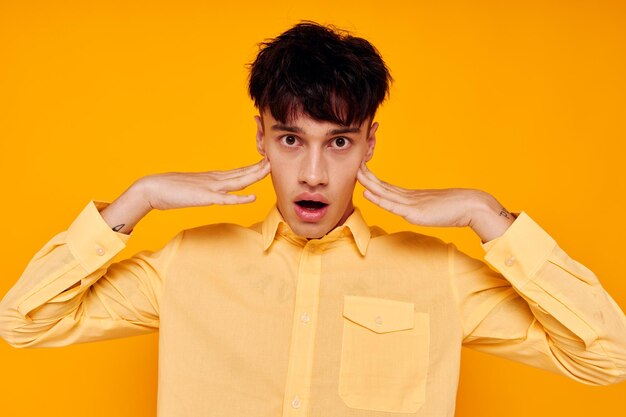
(311, 230)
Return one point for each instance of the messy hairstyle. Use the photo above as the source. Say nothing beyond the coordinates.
(320, 71)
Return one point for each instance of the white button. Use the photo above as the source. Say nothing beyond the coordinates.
(295, 403)
(509, 261)
(100, 250)
(304, 318)
(378, 320)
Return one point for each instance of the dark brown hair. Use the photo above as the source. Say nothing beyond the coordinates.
(321, 71)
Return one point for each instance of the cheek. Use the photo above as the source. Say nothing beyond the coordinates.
(348, 168)
(267, 151)
(281, 166)
(345, 179)
(278, 157)
(281, 177)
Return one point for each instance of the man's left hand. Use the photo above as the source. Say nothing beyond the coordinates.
(458, 207)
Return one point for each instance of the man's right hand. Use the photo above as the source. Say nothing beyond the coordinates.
(190, 189)
(181, 189)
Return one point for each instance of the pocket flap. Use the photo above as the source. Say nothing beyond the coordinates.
(379, 314)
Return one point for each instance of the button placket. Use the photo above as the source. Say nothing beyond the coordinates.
(296, 403)
(304, 318)
(302, 346)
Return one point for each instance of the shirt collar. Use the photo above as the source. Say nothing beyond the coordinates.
(355, 226)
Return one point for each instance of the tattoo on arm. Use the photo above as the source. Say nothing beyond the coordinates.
(504, 213)
(119, 227)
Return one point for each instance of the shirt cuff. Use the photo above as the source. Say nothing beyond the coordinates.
(520, 251)
(91, 240)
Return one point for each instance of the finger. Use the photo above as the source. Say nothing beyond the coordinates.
(262, 168)
(230, 199)
(369, 175)
(370, 184)
(407, 195)
(389, 205)
(372, 177)
(237, 172)
(234, 173)
(376, 188)
(245, 180)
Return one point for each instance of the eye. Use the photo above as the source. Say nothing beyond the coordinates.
(289, 140)
(340, 143)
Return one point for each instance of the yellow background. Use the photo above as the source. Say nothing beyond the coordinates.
(525, 100)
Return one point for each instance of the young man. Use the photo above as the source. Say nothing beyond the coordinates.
(312, 312)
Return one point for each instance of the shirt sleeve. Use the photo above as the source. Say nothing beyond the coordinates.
(540, 307)
(72, 292)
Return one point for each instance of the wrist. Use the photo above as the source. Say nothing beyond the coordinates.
(127, 210)
(138, 195)
(489, 219)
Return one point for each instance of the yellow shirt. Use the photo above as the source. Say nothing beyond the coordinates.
(260, 322)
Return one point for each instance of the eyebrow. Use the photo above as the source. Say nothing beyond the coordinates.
(296, 129)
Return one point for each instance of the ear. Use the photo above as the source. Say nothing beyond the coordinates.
(371, 142)
(259, 135)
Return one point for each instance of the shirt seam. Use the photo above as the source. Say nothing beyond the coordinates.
(167, 263)
(455, 294)
(43, 287)
(598, 338)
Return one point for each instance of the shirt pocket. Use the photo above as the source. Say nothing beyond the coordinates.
(384, 355)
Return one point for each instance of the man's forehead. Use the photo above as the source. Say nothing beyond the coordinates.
(295, 128)
(300, 122)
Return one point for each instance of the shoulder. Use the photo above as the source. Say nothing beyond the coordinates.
(219, 233)
(408, 241)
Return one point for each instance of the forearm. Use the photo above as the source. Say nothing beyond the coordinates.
(172, 190)
(123, 214)
(586, 329)
(57, 277)
(458, 207)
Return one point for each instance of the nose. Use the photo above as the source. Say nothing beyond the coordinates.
(313, 169)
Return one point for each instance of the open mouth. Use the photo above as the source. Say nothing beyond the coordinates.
(311, 205)
(310, 208)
